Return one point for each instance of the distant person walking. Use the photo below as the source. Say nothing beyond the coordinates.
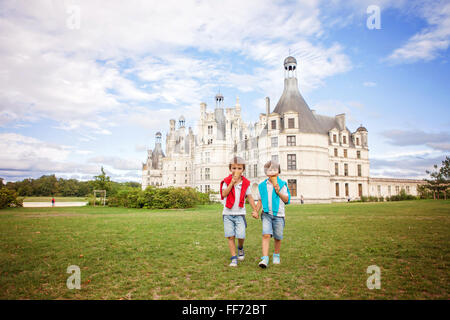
(302, 200)
(53, 201)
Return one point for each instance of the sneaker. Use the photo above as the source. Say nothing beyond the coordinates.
(276, 258)
(241, 254)
(234, 262)
(264, 262)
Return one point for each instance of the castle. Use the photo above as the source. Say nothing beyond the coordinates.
(320, 157)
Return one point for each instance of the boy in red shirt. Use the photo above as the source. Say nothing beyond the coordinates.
(233, 190)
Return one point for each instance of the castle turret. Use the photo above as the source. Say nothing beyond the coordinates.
(220, 117)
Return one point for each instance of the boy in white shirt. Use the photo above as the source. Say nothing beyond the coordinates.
(273, 194)
(233, 190)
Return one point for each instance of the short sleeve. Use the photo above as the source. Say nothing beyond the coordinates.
(284, 190)
(257, 195)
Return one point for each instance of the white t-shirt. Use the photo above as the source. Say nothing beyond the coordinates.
(269, 194)
(235, 210)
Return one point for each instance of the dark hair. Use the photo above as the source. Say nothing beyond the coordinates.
(235, 161)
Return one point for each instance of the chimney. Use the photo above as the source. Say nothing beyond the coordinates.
(267, 106)
(340, 119)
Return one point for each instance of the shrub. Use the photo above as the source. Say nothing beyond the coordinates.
(8, 198)
(157, 198)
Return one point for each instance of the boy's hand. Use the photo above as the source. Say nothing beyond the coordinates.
(234, 180)
(277, 188)
(255, 214)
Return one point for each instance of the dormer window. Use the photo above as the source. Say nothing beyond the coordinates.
(291, 123)
(344, 139)
(357, 141)
(274, 124)
(334, 138)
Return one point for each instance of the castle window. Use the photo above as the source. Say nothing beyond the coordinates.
(336, 169)
(275, 157)
(292, 185)
(207, 157)
(291, 141)
(291, 123)
(274, 141)
(359, 170)
(358, 154)
(274, 124)
(255, 170)
(407, 189)
(334, 138)
(360, 193)
(344, 139)
(346, 190)
(337, 189)
(357, 141)
(207, 188)
(292, 162)
(210, 129)
(379, 190)
(345, 153)
(207, 173)
(389, 190)
(397, 189)
(345, 169)
(335, 152)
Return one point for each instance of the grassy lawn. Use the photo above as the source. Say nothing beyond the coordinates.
(57, 199)
(182, 254)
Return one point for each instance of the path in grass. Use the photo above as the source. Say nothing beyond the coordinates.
(57, 199)
(182, 254)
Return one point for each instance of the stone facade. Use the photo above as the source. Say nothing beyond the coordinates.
(320, 157)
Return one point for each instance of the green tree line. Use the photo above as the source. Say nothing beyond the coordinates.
(49, 185)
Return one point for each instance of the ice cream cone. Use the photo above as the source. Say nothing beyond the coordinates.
(273, 180)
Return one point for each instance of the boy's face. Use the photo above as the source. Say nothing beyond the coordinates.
(237, 169)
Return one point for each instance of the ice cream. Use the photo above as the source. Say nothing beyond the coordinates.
(273, 180)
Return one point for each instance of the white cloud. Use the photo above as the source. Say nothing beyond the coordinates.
(117, 162)
(25, 156)
(427, 44)
(369, 84)
(76, 76)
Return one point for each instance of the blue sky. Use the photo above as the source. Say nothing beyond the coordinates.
(85, 85)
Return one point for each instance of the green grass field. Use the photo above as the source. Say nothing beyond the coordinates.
(57, 199)
(182, 254)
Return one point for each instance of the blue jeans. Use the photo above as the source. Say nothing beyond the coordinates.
(272, 225)
(234, 226)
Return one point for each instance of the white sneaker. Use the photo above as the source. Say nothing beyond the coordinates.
(264, 262)
(233, 263)
(276, 258)
(241, 254)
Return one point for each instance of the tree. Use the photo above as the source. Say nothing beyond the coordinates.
(102, 181)
(8, 198)
(439, 179)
